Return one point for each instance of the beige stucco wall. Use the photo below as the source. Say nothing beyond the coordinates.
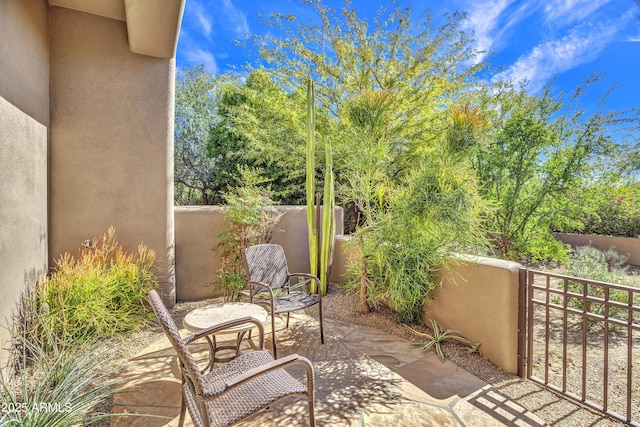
(629, 246)
(344, 254)
(24, 117)
(24, 56)
(111, 140)
(479, 298)
(197, 228)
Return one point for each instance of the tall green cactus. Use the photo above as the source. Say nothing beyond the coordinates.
(328, 219)
(312, 230)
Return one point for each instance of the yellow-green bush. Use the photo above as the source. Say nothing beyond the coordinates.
(100, 293)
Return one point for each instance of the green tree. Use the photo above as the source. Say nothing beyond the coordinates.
(410, 224)
(263, 126)
(603, 208)
(195, 113)
(541, 147)
(421, 70)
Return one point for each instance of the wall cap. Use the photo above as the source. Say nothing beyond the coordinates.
(492, 262)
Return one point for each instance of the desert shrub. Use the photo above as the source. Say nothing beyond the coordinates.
(604, 266)
(592, 263)
(416, 228)
(100, 293)
(52, 384)
(617, 215)
(251, 216)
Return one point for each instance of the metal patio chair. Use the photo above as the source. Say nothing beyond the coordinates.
(268, 272)
(237, 389)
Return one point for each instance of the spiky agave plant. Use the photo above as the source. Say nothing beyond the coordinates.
(52, 385)
(439, 336)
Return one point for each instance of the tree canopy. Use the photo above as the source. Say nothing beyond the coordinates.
(429, 156)
(195, 113)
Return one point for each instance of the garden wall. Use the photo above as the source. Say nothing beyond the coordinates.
(629, 246)
(196, 231)
(479, 295)
(479, 298)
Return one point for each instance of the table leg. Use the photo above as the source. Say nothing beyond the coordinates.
(213, 349)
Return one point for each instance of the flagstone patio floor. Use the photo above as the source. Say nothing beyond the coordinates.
(364, 377)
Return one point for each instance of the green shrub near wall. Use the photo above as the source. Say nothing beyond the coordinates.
(98, 294)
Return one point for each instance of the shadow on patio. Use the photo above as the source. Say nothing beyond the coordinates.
(364, 377)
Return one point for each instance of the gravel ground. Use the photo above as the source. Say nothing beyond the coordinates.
(343, 306)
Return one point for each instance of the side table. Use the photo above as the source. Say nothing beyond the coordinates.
(214, 314)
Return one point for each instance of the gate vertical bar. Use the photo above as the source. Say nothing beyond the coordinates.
(522, 321)
(629, 354)
(529, 325)
(565, 332)
(605, 396)
(585, 326)
(547, 323)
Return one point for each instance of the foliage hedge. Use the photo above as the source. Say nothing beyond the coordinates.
(608, 211)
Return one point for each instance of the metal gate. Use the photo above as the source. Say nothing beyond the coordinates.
(581, 338)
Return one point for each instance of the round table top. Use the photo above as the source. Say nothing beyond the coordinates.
(214, 314)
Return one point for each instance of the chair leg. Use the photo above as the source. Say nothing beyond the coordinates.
(312, 415)
(287, 325)
(183, 407)
(321, 328)
(273, 334)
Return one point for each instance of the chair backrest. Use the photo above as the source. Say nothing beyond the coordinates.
(267, 264)
(170, 329)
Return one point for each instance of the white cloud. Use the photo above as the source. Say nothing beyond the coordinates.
(490, 20)
(200, 56)
(198, 15)
(235, 18)
(482, 19)
(582, 44)
(205, 23)
(570, 11)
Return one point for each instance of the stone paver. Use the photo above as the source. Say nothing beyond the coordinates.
(364, 377)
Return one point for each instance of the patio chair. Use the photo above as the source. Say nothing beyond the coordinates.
(268, 272)
(237, 389)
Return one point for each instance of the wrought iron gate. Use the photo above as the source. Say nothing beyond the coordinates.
(581, 338)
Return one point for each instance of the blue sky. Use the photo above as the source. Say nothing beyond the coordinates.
(524, 39)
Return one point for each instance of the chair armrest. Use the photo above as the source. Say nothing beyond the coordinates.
(258, 371)
(226, 325)
(263, 285)
(260, 284)
(308, 276)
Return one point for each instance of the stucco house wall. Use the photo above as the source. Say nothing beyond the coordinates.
(86, 133)
(111, 153)
(24, 119)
